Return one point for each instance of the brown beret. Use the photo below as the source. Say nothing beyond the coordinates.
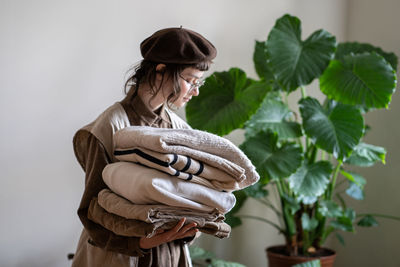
(177, 45)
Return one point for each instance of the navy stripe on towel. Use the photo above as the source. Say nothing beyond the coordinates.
(201, 168)
(174, 160)
(142, 154)
(189, 161)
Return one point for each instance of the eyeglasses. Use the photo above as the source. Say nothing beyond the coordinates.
(197, 84)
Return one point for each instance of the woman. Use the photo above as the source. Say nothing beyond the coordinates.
(170, 74)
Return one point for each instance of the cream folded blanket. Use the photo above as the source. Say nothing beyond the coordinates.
(182, 167)
(208, 148)
(130, 227)
(143, 185)
(120, 206)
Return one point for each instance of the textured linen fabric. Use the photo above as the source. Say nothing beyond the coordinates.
(208, 148)
(131, 227)
(143, 185)
(120, 206)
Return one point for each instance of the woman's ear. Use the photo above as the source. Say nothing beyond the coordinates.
(160, 68)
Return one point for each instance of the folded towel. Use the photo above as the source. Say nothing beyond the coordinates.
(142, 185)
(130, 227)
(182, 167)
(208, 148)
(120, 206)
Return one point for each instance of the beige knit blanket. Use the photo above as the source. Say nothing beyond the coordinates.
(205, 147)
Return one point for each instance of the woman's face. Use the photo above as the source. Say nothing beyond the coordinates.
(188, 77)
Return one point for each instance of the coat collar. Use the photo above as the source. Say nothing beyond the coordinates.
(143, 112)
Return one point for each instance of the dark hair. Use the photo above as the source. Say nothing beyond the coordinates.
(145, 72)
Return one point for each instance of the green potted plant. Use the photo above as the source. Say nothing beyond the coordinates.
(306, 152)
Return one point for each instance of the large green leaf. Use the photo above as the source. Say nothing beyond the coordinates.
(295, 62)
(226, 102)
(367, 221)
(260, 59)
(310, 181)
(354, 178)
(345, 222)
(257, 190)
(273, 115)
(337, 129)
(365, 79)
(365, 155)
(346, 48)
(271, 161)
(330, 209)
(260, 62)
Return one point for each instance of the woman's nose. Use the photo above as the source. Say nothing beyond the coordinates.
(195, 91)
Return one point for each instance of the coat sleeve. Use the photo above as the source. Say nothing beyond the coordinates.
(95, 159)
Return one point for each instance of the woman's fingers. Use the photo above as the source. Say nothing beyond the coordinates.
(188, 233)
(179, 231)
(178, 226)
(187, 228)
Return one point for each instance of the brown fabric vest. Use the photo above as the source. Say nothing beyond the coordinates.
(103, 128)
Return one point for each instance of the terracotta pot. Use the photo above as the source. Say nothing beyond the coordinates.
(277, 257)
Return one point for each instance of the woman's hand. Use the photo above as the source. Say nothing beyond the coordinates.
(178, 232)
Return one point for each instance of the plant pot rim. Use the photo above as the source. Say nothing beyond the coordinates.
(330, 252)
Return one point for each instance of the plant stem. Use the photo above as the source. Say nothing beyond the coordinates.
(333, 182)
(279, 187)
(306, 242)
(313, 153)
(304, 95)
(286, 220)
(380, 215)
(285, 187)
(263, 220)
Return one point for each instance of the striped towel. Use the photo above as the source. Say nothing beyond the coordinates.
(183, 167)
(199, 145)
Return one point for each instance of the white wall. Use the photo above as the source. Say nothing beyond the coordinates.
(377, 22)
(63, 62)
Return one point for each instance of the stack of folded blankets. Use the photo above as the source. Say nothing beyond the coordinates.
(164, 175)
